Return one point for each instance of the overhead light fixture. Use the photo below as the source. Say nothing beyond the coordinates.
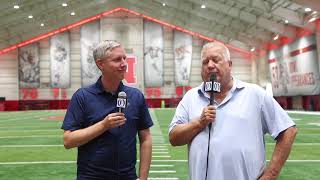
(41, 24)
(30, 16)
(276, 37)
(163, 4)
(203, 5)
(312, 19)
(72, 13)
(16, 6)
(307, 9)
(64, 4)
(252, 49)
(286, 21)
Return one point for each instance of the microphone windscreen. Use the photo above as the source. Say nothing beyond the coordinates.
(213, 77)
(122, 95)
(122, 100)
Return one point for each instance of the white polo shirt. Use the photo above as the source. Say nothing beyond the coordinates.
(237, 147)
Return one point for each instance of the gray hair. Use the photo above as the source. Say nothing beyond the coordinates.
(226, 52)
(103, 49)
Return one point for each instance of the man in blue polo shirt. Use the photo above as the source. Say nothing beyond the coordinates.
(241, 115)
(106, 138)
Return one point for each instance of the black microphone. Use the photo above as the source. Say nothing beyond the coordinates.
(213, 86)
(121, 101)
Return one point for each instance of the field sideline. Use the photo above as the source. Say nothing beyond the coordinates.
(31, 148)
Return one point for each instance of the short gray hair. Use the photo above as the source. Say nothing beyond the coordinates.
(103, 49)
(226, 52)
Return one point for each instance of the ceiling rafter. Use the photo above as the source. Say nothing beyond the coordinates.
(24, 31)
(313, 4)
(293, 17)
(197, 24)
(251, 18)
(203, 22)
(21, 14)
(232, 28)
(251, 22)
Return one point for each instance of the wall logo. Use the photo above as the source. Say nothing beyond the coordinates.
(130, 76)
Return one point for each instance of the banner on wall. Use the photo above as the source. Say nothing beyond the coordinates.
(90, 37)
(29, 70)
(182, 57)
(294, 68)
(60, 60)
(153, 54)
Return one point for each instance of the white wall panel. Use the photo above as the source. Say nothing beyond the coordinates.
(9, 75)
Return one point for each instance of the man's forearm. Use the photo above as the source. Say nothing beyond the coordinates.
(145, 158)
(184, 133)
(281, 152)
(82, 136)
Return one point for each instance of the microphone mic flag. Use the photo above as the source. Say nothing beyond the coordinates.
(121, 101)
(213, 85)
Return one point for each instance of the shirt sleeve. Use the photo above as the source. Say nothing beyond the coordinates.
(181, 115)
(275, 118)
(75, 113)
(145, 118)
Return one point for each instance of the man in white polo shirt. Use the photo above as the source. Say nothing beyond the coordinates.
(241, 115)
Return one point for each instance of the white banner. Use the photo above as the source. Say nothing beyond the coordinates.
(29, 70)
(294, 68)
(153, 54)
(60, 60)
(90, 37)
(182, 57)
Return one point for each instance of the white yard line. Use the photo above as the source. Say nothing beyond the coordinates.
(161, 165)
(159, 149)
(160, 146)
(31, 130)
(25, 146)
(155, 151)
(303, 160)
(162, 171)
(38, 162)
(164, 156)
(163, 152)
(296, 119)
(165, 178)
(299, 144)
(304, 112)
(168, 160)
(32, 136)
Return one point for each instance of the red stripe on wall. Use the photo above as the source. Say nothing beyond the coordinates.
(271, 60)
(303, 50)
(296, 52)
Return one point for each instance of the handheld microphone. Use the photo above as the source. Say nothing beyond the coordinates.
(121, 101)
(212, 86)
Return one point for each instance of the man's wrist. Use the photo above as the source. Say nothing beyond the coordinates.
(271, 174)
(198, 124)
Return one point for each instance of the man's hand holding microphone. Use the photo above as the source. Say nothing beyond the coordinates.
(117, 119)
(208, 116)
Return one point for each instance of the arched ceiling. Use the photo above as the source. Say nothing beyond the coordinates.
(241, 23)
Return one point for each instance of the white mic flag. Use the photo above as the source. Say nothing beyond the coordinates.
(212, 86)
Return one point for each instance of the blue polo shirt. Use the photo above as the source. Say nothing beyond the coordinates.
(111, 155)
